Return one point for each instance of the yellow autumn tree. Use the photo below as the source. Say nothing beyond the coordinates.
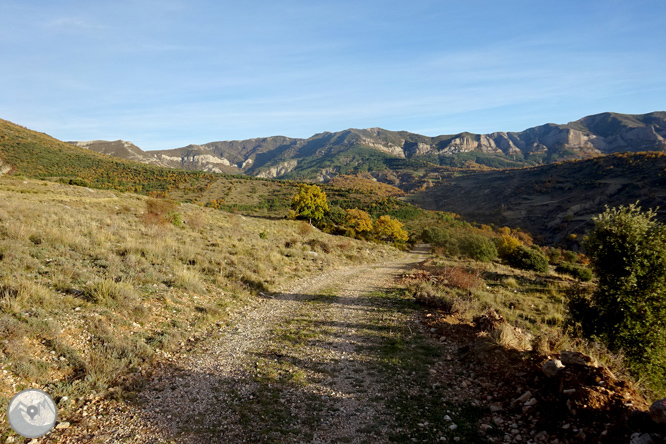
(310, 202)
(507, 244)
(389, 230)
(358, 222)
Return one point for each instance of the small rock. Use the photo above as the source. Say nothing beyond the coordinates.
(524, 397)
(63, 425)
(541, 436)
(577, 358)
(552, 368)
(531, 402)
(658, 411)
(496, 407)
(453, 427)
(641, 438)
(10, 439)
(485, 427)
(447, 418)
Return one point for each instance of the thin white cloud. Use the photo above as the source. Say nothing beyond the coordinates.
(76, 23)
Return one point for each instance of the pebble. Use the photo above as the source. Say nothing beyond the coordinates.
(524, 397)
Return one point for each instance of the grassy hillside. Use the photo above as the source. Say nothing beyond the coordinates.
(365, 182)
(95, 285)
(555, 202)
(31, 154)
(38, 155)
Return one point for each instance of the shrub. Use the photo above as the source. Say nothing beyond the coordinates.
(477, 247)
(528, 259)
(463, 279)
(335, 216)
(569, 256)
(436, 236)
(162, 211)
(506, 245)
(304, 228)
(442, 238)
(627, 311)
(554, 255)
(427, 294)
(584, 274)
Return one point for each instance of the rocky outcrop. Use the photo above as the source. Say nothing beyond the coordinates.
(123, 149)
(388, 148)
(279, 170)
(4, 169)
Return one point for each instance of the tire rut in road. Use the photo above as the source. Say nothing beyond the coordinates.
(334, 358)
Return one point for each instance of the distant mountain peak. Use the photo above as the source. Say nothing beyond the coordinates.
(327, 153)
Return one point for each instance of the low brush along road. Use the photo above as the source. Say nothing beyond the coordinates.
(336, 358)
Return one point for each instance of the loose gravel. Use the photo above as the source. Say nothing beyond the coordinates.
(312, 363)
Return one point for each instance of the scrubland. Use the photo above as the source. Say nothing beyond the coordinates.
(95, 285)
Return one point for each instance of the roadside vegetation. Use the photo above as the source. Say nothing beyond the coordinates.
(549, 297)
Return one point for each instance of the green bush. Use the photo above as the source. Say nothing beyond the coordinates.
(627, 311)
(554, 255)
(528, 259)
(477, 247)
(581, 273)
(569, 256)
(436, 236)
(441, 237)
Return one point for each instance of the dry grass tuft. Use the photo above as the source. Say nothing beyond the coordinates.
(304, 228)
(159, 211)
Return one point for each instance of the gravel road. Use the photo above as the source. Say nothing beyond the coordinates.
(303, 366)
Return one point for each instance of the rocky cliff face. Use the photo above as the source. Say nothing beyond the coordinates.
(278, 170)
(276, 156)
(121, 148)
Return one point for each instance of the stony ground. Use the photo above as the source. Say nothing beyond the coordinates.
(336, 358)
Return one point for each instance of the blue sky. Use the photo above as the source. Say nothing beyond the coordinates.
(167, 73)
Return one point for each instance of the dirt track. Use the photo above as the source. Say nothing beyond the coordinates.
(335, 358)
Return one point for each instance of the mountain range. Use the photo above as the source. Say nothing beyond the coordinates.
(554, 201)
(377, 150)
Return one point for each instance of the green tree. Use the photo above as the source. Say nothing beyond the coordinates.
(627, 248)
(310, 202)
(478, 247)
(390, 230)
